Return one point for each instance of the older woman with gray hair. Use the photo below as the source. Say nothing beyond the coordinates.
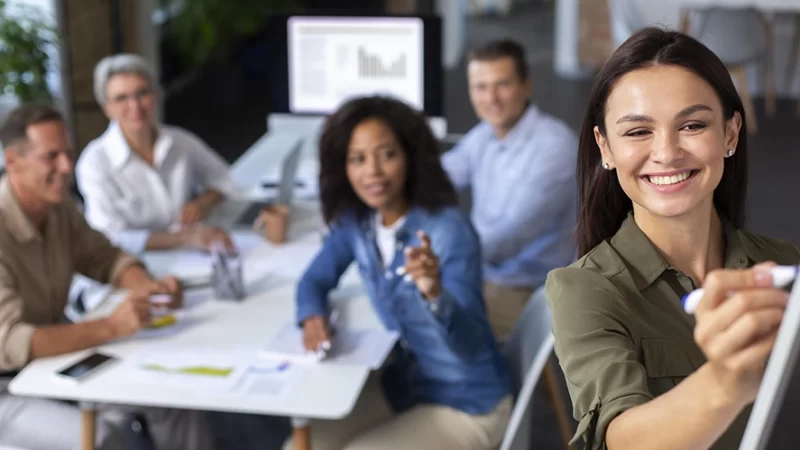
(140, 177)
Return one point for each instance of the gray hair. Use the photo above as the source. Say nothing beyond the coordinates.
(115, 64)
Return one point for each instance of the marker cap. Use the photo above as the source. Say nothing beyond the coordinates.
(691, 300)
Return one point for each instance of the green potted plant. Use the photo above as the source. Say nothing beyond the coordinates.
(25, 36)
(205, 30)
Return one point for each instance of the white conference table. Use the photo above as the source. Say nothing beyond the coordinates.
(270, 275)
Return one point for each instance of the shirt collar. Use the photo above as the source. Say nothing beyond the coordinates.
(18, 223)
(404, 232)
(378, 222)
(119, 152)
(521, 128)
(645, 263)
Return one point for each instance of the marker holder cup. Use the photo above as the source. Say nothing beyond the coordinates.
(226, 274)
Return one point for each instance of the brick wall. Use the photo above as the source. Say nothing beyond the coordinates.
(87, 29)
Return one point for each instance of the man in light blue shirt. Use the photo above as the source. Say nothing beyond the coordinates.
(521, 165)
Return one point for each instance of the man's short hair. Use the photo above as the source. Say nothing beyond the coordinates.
(14, 128)
(505, 48)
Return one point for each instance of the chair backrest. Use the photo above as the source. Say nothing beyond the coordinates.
(625, 20)
(736, 36)
(527, 351)
(629, 16)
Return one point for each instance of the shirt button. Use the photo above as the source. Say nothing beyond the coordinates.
(399, 246)
(388, 274)
(433, 306)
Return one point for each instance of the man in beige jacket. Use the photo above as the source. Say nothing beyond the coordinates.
(44, 241)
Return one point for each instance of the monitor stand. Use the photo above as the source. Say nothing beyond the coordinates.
(309, 126)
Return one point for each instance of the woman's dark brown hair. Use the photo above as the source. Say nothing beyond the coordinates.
(427, 184)
(603, 203)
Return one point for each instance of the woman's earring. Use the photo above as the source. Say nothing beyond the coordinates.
(730, 153)
(605, 165)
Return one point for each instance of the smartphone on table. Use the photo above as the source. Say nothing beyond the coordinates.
(85, 368)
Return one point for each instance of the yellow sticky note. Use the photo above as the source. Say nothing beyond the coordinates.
(163, 321)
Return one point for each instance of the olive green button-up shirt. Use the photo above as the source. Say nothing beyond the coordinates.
(622, 337)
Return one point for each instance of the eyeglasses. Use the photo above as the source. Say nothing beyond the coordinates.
(139, 95)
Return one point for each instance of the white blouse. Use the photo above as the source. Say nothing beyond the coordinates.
(386, 238)
(126, 199)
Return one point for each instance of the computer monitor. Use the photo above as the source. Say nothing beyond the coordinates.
(320, 61)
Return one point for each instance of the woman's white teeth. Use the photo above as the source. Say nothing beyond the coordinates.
(669, 180)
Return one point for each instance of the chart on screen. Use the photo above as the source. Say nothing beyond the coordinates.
(334, 58)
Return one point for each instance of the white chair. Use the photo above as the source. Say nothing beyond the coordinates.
(739, 37)
(626, 17)
(528, 352)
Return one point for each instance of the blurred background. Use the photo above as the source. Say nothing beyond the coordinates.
(215, 75)
(218, 78)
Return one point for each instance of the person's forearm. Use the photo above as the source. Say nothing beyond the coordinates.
(59, 339)
(692, 415)
(164, 240)
(134, 277)
(209, 198)
(460, 327)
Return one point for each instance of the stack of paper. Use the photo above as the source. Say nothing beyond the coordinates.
(352, 347)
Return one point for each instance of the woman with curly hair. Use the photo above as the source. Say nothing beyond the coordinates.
(391, 209)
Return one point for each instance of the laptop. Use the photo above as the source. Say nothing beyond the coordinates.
(286, 186)
(773, 418)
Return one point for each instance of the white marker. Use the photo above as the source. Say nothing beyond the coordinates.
(160, 299)
(325, 346)
(782, 276)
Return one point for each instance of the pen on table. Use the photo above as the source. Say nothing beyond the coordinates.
(264, 370)
(782, 276)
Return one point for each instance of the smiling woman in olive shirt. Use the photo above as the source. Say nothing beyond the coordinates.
(663, 173)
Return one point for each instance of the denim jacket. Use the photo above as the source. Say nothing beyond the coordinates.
(447, 353)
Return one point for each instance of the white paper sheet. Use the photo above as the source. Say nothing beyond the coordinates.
(187, 368)
(352, 347)
(197, 264)
(270, 379)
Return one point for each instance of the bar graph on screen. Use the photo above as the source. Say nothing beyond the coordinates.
(372, 66)
(332, 59)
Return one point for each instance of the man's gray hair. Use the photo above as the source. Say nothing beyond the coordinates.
(116, 64)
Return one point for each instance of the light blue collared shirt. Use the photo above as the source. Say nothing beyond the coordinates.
(524, 196)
